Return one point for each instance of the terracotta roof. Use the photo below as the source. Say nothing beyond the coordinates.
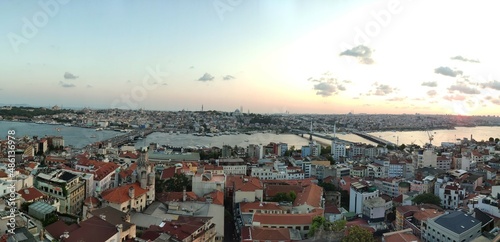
(331, 208)
(311, 196)
(104, 170)
(217, 197)
(244, 183)
(128, 172)
(407, 208)
(120, 194)
(30, 193)
(113, 216)
(92, 200)
(181, 228)
(175, 196)
(3, 174)
(401, 237)
(287, 219)
(245, 207)
(58, 228)
(92, 229)
(425, 214)
(265, 234)
(169, 172)
(129, 154)
(272, 190)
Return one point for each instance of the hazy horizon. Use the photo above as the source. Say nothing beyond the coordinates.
(301, 57)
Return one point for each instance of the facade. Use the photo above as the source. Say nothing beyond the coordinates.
(68, 188)
(359, 192)
(338, 150)
(454, 226)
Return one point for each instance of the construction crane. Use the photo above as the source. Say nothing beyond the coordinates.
(431, 137)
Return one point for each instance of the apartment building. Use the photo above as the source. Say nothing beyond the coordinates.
(67, 187)
(454, 226)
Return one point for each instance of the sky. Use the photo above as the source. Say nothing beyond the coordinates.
(314, 56)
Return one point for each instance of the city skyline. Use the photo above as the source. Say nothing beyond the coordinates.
(267, 57)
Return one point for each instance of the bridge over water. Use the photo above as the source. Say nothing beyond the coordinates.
(364, 135)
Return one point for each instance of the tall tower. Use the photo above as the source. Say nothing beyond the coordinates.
(202, 107)
(146, 176)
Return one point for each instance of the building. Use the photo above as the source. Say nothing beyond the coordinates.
(338, 150)
(453, 226)
(359, 192)
(66, 187)
(374, 209)
(183, 229)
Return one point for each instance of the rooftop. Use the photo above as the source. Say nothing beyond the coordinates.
(457, 221)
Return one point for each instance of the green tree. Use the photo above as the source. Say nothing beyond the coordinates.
(178, 183)
(402, 147)
(427, 198)
(292, 196)
(317, 223)
(338, 225)
(497, 140)
(491, 139)
(358, 234)
(327, 186)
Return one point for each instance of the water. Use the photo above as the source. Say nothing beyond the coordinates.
(421, 137)
(242, 140)
(79, 137)
(75, 136)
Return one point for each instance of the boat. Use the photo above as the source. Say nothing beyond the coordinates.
(98, 129)
(93, 136)
(67, 125)
(246, 140)
(40, 122)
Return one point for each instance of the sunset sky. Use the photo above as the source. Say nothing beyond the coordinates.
(311, 56)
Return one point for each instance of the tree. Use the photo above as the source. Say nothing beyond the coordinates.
(177, 183)
(358, 234)
(427, 198)
(292, 195)
(491, 139)
(402, 147)
(338, 225)
(317, 223)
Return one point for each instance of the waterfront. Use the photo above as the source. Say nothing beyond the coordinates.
(80, 137)
(74, 136)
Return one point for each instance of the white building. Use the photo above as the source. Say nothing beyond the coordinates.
(359, 192)
(338, 150)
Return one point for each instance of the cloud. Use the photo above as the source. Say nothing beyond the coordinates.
(327, 86)
(493, 85)
(431, 93)
(191, 67)
(206, 77)
(89, 86)
(361, 52)
(446, 71)
(454, 97)
(397, 99)
(382, 90)
(67, 85)
(325, 89)
(68, 75)
(429, 84)
(228, 77)
(463, 89)
(461, 58)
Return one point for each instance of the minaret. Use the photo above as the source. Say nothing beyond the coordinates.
(335, 130)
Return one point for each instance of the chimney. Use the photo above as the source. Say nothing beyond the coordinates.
(184, 195)
(103, 217)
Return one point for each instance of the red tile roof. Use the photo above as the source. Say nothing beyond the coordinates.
(175, 196)
(181, 228)
(245, 207)
(30, 194)
(311, 196)
(169, 172)
(265, 234)
(287, 219)
(120, 194)
(272, 190)
(128, 172)
(92, 229)
(217, 197)
(58, 228)
(129, 154)
(401, 237)
(244, 183)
